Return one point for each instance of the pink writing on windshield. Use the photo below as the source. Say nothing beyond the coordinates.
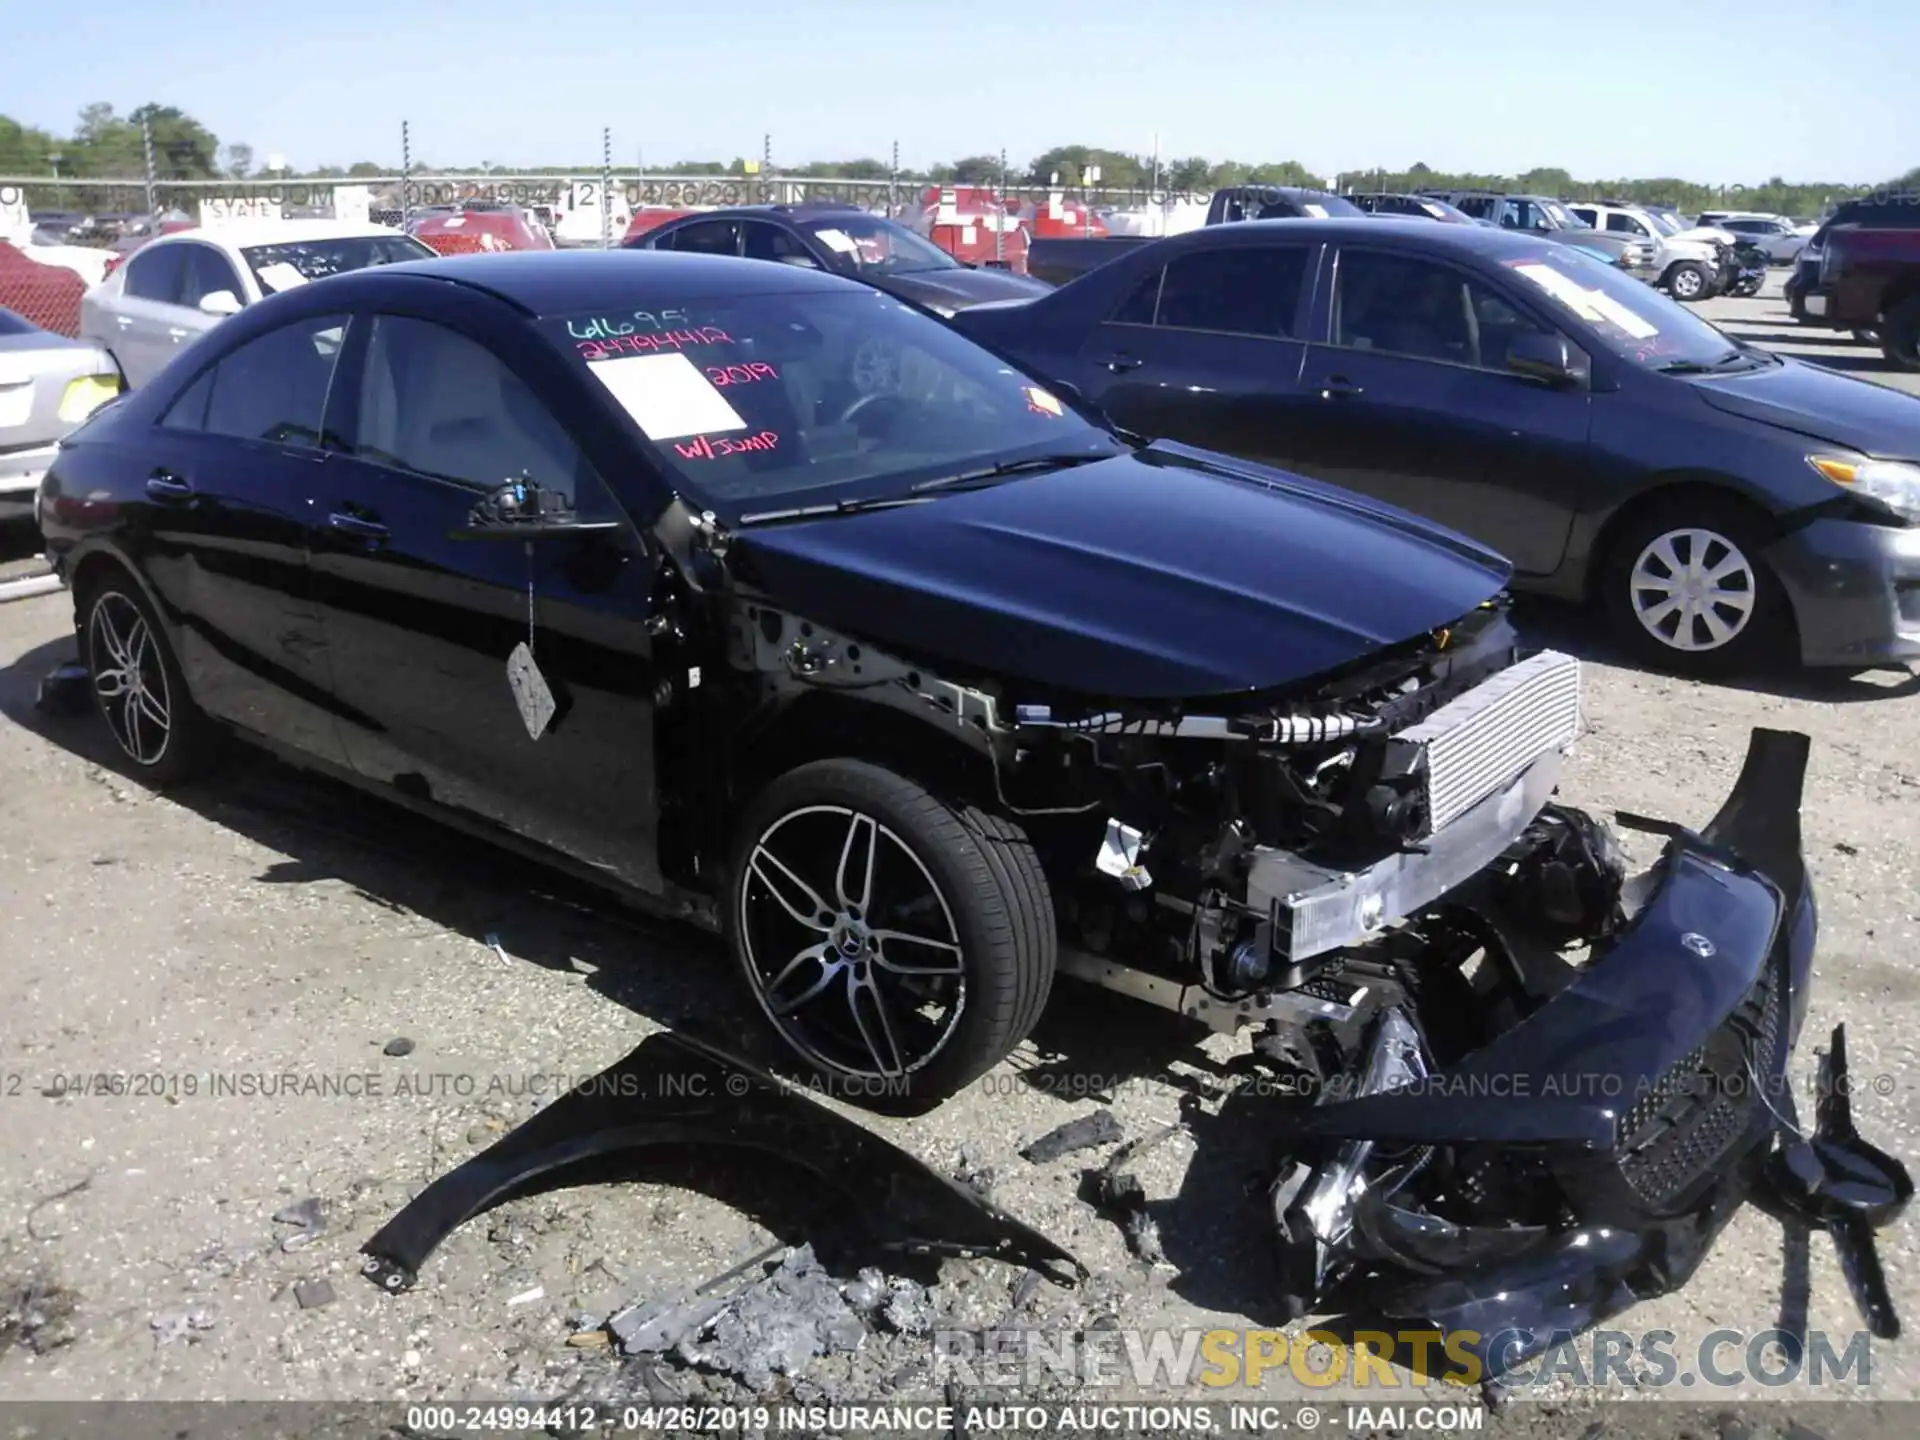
(742, 374)
(704, 448)
(649, 344)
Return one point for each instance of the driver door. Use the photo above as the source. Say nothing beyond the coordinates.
(420, 626)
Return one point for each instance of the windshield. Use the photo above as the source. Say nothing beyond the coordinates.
(862, 244)
(761, 404)
(12, 324)
(1560, 217)
(1632, 319)
(1669, 222)
(281, 267)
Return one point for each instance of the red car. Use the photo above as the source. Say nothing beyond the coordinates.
(471, 230)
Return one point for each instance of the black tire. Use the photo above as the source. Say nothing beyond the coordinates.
(1763, 632)
(1689, 282)
(1900, 334)
(156, 726)
(993, 911)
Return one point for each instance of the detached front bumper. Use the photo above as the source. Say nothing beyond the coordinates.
(1855, 591)
(1651, 1095)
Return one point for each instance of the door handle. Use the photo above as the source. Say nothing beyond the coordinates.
(123, 321)
(177, 334)
(1338, 387)
(1120, 364)
(166, 484)
(357, 526)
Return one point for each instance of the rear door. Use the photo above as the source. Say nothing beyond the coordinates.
(234, 468)
(702, 237)
(1411, 402)
(1207, 349)
(146, 311)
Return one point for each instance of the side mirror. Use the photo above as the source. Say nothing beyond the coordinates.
(521, 510)
(220, 303)
(1551, 359)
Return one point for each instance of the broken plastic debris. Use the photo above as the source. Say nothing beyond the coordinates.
(527, 1297)
(312, 1294)
(1120, 856)
(311, 1218)
(492, 942)
(1089, 1131)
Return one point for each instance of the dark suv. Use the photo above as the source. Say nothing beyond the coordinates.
(1861, 272)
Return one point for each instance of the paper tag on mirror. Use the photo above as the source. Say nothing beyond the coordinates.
(530, 692)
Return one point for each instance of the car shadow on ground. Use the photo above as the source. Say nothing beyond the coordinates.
(1558, 625)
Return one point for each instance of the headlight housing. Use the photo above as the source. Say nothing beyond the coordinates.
(1894, 483)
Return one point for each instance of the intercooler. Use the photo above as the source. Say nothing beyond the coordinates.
(1490, 734)
(1486, 763)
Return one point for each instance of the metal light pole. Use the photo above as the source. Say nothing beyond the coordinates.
(893, 183)
(406, 176)
(606, 189)
(1000, 220)
(54, 161)
(766, 167)
(146, 150)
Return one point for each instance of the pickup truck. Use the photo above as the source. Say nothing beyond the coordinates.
(1058, 261)
(1861, 272)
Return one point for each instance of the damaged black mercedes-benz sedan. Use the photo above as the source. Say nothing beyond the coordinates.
(772, 599)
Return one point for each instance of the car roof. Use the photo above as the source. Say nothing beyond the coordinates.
(555, 282)
(804, 211)
(1472, 239)
(275, 232)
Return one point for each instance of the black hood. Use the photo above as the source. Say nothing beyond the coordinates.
(1823, 405)
(1163, 573)
(958, 288)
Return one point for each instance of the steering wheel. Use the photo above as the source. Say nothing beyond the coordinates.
(865, 402)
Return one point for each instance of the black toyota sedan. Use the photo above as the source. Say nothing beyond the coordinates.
(1724, 505)
(848, 241)
(772, 600)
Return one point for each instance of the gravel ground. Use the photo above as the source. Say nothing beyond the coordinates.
(267, 924)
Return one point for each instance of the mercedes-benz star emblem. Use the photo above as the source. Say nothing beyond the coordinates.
(1698, 944)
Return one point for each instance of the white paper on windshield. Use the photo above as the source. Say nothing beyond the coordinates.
(1318, 212)
(454, 222)
(1564, 288)
(667, 396)
(1612, 311)
(837, 240)
(281, 276)
(969, 235)
(16, 403)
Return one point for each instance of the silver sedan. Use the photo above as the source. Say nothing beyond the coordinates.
(48, 385)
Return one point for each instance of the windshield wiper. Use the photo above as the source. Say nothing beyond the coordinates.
(1696, 367)
(835, 507)
(992, 473)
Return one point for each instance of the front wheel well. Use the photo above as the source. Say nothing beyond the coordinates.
(92, 569)
(1899, 293)
(823, 726)
(1672, 493)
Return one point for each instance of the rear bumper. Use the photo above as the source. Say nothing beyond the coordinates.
(1855, 590)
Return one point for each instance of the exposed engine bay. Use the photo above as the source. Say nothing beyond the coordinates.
(1525, 1089)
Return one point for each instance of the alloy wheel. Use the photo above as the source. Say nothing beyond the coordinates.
(851, 948)
(129, 678)
(1686, 284)
(1693, 590)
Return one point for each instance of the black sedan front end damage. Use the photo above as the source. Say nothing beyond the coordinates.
(1587, 1156)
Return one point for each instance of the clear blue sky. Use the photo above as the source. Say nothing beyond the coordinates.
(1818, 89)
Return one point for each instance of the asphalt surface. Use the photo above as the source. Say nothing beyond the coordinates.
(240, 945)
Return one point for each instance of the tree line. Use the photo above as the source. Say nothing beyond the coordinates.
(107, 145)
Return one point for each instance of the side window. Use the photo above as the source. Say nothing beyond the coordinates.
(436, 403)
(1245, 290)
(189, 410)
(1513, 215)
(1138, 307)
(274, 387)
(762, 241)
(1403, 305)
(1589, 215)
(205, 273)
(154, 273)
(708, 237)
(1479, 207)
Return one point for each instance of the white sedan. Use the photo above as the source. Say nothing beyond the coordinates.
(176, 287)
